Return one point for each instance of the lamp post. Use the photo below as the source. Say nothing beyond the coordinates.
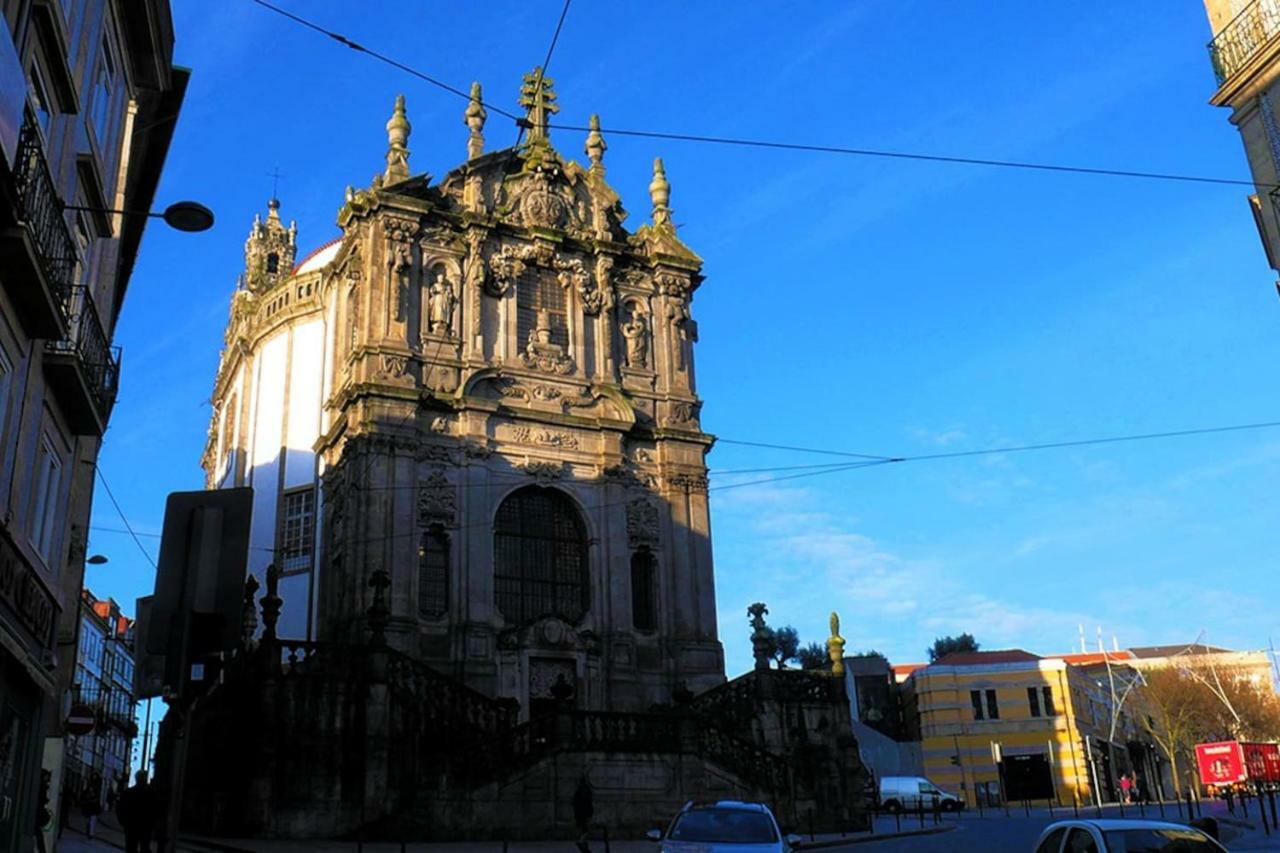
(189, 216)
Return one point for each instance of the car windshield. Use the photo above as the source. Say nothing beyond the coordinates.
(724, 826)
(1158, 841)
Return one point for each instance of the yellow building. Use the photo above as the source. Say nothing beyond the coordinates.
(1009, 725)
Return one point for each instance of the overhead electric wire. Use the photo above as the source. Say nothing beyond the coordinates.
(712, 139)
(989, 451)
(129, 527)
(542, 69)
(356, 46)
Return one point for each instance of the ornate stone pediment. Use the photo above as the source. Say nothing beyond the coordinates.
(549, 632)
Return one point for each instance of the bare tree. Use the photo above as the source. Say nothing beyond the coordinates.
(1176, 708)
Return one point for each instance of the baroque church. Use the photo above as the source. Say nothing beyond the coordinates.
(472, 430)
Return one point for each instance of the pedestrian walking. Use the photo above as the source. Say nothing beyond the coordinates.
(583, 810)
(90, 807)
(138, 811)
(1125, 785)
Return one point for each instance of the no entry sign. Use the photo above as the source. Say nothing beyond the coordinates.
(81, 720)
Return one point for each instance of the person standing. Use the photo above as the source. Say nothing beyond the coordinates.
(138, 811)
(1125, 785)
(90, 807)
(583, 810)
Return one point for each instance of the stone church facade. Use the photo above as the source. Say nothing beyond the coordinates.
(482, 396)
(472, 428)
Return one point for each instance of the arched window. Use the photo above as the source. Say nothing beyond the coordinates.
(539, 557)
(539, 292)
(644, 591)
(433, 572)
(273, 263)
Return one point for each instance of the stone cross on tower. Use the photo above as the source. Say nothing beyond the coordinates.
(538, 97)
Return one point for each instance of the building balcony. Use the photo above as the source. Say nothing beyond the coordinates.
(37, 252)
(83, 369)
(1243, 38)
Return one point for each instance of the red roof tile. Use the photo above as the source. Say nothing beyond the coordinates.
(982, 658)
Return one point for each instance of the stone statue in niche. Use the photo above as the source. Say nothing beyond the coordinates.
(636, 333)
(440, 306)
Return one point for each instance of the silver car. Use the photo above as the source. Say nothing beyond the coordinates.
(1124, 836)
(727, 826)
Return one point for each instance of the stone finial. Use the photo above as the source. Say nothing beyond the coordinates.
(835, 646)
(762, 639)
(271, 603)
(474, 118)
(660, 192)
(249, 614)
(595, 146)
(398, 129)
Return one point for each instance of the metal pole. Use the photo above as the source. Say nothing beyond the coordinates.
(146, 739)
(1262, 809)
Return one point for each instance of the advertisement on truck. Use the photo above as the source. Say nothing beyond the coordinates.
(1262, 761)
(1221, 763)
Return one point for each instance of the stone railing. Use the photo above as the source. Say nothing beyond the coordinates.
(40, 209)
(445, 703)
(1241, 39)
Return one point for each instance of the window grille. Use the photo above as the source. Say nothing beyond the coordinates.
(297, 530)
(540, 557)
(644, 591)
(433, 573)
(540, 290)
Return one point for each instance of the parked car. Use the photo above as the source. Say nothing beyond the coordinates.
(907, 793)
(1123, 836)
(727, 826)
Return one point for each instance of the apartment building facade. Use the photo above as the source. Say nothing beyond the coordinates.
(88, 102)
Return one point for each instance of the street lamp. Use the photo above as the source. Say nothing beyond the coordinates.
(96, 560)
(190, 216)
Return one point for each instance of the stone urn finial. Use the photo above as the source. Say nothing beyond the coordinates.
(249, 614)
(474, 118)
(271, 603)
(660, 193)
(595, 146)
(398, 129)
(761, 635)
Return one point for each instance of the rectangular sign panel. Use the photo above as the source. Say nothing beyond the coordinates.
(1262, 761)
(1220, 763)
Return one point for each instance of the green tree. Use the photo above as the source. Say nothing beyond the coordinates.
(814, 656)
(944, 646)
(786, 645)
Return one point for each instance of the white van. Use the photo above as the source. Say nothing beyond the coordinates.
(907, 793)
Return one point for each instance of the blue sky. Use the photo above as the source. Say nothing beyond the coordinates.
(877, 306)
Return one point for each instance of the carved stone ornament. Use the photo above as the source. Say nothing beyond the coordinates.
(394, 365)
(688, 482)
(400, 230)
(473, 274)
(434, 453)
(672, 285)
(542, 469)
(685, 413)
(545, 437)
(475, 448)
(437, 499)
(642, 522)
(573, 273)
(442, 424)
(541, 353)
(541, 205)
(505, 267)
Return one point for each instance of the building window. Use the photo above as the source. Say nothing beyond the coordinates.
(540, 557)
(273, 263)
(975, 697)
(6, 388)
(540, 293)
(297, 529)
(1033, 700)
(1049, 710)
(44, 514)
(38, 95)
(644, 591)
(993, 710)
(104, 84)
(433, 572)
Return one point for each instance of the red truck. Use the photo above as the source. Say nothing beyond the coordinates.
(1230, 762)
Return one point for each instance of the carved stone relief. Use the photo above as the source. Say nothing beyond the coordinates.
(437, 499)
(545, 437)
(642, 522)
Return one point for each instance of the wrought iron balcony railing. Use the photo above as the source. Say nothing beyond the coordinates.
(41, 212)
(1237, 42)
(89, 344)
